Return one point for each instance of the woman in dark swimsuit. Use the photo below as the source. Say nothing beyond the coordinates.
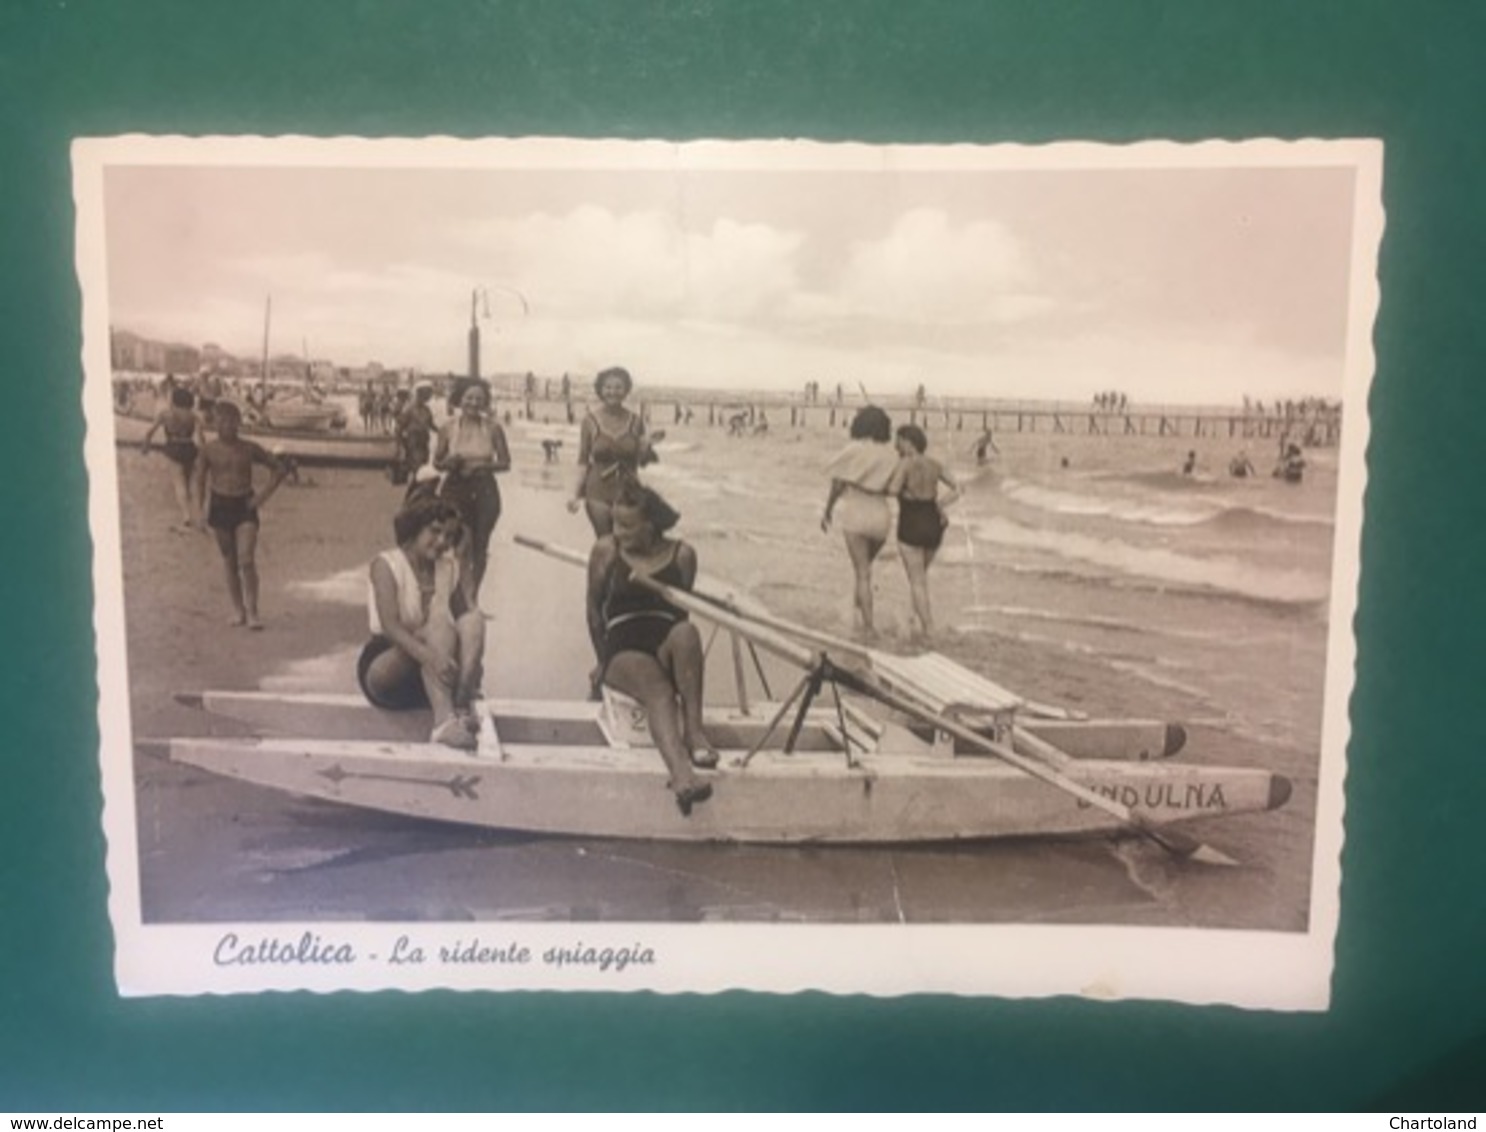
(612, 448)
(471, 451)
(647, 647)
(183, 439)
(921, 520)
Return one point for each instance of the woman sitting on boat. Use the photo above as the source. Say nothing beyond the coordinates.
(647, 647)
(183, 440)
(427, 637)
(612, 448)
(471, 450)
(921, 519)
(857, 502)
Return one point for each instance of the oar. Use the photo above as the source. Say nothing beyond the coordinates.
(769, 641)
(779, 645)
(869, 685)
(852, 648)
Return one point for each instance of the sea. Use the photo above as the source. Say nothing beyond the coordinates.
(1209, 591)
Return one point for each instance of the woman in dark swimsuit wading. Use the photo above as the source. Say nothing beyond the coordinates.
(647, 647)
(183, 440)
(921, 519)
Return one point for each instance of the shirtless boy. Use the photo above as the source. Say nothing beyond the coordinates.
(226, 463)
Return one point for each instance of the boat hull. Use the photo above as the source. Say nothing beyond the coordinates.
(338, 715)
(592, 790)
(307, 447)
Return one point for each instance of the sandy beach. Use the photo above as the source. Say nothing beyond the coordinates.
(213, 850)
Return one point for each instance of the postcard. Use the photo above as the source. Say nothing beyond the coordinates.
(690, 566)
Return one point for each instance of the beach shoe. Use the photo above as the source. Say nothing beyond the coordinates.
(691, 795)
(704, 759)
(452, 733)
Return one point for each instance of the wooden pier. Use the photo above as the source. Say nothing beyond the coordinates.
(1309, 424)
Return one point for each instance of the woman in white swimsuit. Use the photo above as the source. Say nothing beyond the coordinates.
(427, 639)
(857, 502)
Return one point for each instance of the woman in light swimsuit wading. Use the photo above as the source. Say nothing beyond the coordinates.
(857, 501)
(612, 448)
(921, 521)
(647, 647)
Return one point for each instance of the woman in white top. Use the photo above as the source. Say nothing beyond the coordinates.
(427, 637)
(471, 450)
(857, 502)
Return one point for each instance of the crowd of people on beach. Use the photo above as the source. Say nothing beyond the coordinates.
(426, 630)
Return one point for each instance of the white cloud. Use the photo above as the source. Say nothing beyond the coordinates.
(927, 270)
(594, 263)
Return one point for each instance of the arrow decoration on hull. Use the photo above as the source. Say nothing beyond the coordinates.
(460, 785)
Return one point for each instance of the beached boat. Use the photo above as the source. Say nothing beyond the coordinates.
(295, 415)
(312, 448)
(562, 768)
(908, 750)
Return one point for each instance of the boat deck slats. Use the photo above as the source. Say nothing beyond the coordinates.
(941, 683)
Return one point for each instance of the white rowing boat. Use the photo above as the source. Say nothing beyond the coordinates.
(927, 753)
(564, 768)
(310, 448)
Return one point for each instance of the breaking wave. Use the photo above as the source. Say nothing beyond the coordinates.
(1155, 567)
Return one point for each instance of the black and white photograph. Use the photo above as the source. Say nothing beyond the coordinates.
(687, 566)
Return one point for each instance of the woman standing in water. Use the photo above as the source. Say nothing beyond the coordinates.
(612, 448)
(427, 639)
(471, 450)
(183, 440)
(857, 501)
(921, 521)
(647, 647)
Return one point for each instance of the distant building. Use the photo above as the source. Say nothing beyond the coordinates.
(289, 367)
(180, 358)
(126, 350)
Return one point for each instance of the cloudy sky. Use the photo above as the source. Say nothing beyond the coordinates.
(1171, 284)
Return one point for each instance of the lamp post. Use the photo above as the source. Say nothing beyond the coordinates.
(480, 308)
(475, 296)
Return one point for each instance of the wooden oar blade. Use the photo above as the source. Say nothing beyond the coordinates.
(1182, 845)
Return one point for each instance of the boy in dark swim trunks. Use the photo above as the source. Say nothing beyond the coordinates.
(226, 463)
(921, 522)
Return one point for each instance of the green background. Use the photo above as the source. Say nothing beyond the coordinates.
(1408, 1027)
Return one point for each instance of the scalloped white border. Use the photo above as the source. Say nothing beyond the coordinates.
(1287, 971)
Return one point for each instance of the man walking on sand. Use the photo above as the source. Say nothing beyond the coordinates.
(226, 463)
